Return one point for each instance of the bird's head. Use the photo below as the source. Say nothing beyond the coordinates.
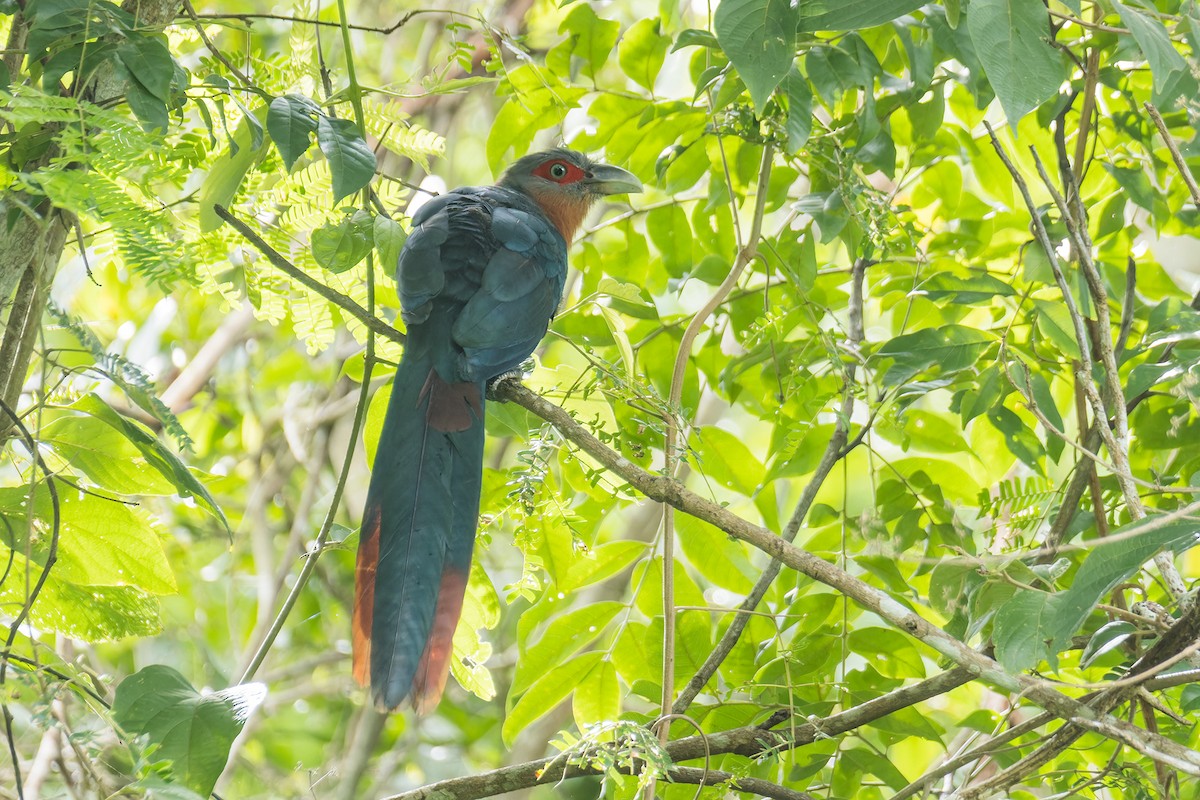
(566, 183)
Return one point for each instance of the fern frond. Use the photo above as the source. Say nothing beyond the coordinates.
(128, 376)
(394, 129)
(1021, 502)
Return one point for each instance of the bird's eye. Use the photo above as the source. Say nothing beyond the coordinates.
(558, 171)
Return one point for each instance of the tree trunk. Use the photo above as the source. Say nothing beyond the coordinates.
(33, 235)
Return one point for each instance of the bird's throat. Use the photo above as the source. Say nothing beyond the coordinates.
(566, 213)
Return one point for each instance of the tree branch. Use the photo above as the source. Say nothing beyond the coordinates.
(895, 613)
(752, 741)
(368, 319)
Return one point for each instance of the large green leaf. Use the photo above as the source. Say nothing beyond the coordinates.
(598, 697)
(799, 112)
(227, 172)
(292, 121)
(338, 246)
(86, 613)
(102, 453)
(1011, 39)
(155, 453)
(642, 51)
(102, 542)
(548, 691)
(192, 731)
(566, 635)
(1154, 41)
(1035, 626)
(950, 347)
(849, 15)
(351, 161)
(759, 37)
(590, 41)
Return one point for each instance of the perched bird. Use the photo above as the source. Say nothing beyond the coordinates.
(480, 278)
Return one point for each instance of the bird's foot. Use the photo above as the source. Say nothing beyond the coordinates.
(513, 376)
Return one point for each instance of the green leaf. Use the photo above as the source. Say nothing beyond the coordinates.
(351, 161)
(890, 652)
(693, 643)
(672, 236)
(642, 51)
(851, 15)
(591, 41)
(1010, 37)
(616, 326)
(1022, 627)
(799, 112)
(869, 762)
(1109, 637)
(599, 563)
(565, 636)
(715, 555)
(101, 542)
(975, 288)
(254, 117)
(373, 424)
(389, 237)
(951, 348)
(1020, 440)
(481, 610)
(1155, 43)
(724, 458)
(105, 456)
(1054, 321)
(155, 453)
(1034, 625)
(149, 62)
(149, 110)
(192, 731)
(547, 692)
(693, 37)
(1040, 390)
(759, 37)
(339, 246)
(291, 121)
(598, 696)
(226, 174)
(106, 551)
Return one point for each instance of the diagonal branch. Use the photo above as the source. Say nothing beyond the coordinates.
(895, 613)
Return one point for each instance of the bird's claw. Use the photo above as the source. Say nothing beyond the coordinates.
(512, 376)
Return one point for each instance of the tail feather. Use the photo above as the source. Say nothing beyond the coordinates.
(365, 565)
(434, 667)
(418, 535)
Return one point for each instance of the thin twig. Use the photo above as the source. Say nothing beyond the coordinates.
(1184, 171)
(51, 556)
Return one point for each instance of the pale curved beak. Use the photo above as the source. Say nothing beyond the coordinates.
(607, 179)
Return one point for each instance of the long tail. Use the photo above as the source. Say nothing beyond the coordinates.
(418, 534)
